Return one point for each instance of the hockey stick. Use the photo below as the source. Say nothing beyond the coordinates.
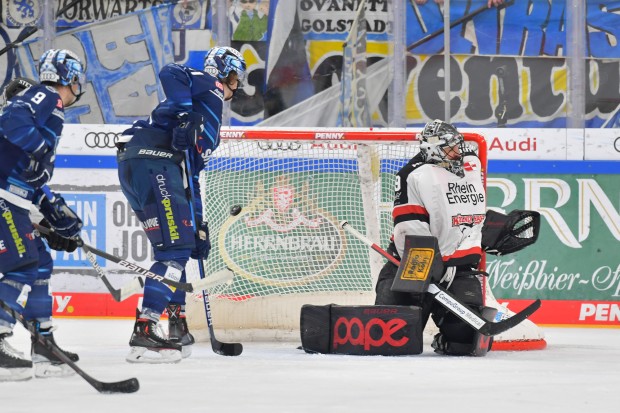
(118, 294)
(452, 303)
(223, 349)
(188, 287)
(30, 30)
(458, 21)
(125, 386)
(137, 284)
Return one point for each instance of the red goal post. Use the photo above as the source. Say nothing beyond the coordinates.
(294, 185)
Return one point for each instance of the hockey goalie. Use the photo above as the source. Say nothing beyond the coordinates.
(440, 193)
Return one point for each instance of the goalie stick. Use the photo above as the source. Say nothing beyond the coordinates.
(223, 349)
(451, 303)
(125, 386)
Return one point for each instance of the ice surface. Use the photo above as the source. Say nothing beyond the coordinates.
(578, 372)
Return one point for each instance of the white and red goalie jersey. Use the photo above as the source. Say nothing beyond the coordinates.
(431, 201)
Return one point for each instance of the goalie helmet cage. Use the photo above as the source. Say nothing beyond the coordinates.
(285, 246)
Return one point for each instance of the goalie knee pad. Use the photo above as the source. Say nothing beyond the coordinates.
(385, 295)
(477, 345)
(456, 337)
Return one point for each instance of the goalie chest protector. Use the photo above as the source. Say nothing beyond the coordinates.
(361, 330)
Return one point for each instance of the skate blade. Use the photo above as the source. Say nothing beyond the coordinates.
(46, 370)
(16, 374)
(153, 356)
(186, 351)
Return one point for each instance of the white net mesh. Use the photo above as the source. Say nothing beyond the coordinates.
(286, 246)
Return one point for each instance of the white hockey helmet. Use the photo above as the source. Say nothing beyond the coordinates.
(442, 144)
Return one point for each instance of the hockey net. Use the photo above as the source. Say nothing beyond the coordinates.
(285, 246)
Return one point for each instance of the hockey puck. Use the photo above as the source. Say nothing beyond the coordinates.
(235, 210)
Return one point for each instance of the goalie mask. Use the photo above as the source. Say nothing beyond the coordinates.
(442, 144)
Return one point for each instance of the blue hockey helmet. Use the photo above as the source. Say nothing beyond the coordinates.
(61, 67)
(221, 61)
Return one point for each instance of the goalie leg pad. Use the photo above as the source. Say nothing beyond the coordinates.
(361, 330)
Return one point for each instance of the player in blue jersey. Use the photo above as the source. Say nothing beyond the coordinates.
(30, 126)
(151, 173)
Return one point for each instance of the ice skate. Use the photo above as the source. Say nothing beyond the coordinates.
(178, 332)
(13, 365)
(148, 346)
(46, 364)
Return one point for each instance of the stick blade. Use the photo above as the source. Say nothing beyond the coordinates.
(220, 277)
(226, 349)
(492, 329)
(126, 386)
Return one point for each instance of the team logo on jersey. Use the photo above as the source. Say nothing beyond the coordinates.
(22, 12)
(282, 236)
(219, 85)
(468, 220)
(469, 166)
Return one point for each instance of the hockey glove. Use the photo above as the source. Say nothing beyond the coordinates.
(40, 168)
(61, 218)
(57, 242)
(505, 234)
(186, 134)
(203, 245)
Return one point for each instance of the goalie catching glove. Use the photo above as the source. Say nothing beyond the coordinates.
(505, 234)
